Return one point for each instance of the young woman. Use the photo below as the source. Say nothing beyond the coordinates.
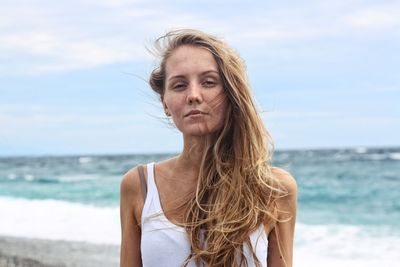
(219, 202)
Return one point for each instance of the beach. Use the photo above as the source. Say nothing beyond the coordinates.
(27, 252)
(64, 211)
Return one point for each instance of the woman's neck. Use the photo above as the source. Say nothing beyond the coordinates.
(192, 153)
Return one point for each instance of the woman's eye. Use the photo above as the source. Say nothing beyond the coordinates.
(209, 83)
(179, 86)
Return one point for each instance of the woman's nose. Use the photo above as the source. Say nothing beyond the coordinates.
(194, 94)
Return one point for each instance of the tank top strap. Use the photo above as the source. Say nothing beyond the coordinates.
(152, 202)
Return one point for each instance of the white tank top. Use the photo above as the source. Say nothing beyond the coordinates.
(164, 244)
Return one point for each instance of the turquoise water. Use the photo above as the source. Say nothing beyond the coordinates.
(353, 186)
(348, 201)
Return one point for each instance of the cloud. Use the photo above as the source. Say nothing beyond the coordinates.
(44, 52)
(376, 17)
(114, 3)
(63, 36)
(49, 38)
(317, 21)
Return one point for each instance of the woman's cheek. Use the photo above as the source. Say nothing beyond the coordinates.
(177, 118)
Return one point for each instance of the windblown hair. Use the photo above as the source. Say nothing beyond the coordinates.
(236, 191)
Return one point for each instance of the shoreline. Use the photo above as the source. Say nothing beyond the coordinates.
(30, 252)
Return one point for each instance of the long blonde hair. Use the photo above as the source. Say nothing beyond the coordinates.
(236, 191)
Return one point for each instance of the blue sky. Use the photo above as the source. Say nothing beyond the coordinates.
(73, 73)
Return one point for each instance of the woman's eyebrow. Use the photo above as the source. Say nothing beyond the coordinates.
(184, 76)
(208, 71)
(176, 77)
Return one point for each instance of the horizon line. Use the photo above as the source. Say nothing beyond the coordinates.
(33, 155)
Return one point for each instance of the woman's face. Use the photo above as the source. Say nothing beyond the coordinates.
(194, 95)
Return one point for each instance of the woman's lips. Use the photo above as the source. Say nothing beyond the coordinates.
(195, 113)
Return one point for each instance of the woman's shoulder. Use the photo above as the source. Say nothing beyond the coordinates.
(131, 187)
(131, 195)
(288, 202)
(130, 183)
(285, 178)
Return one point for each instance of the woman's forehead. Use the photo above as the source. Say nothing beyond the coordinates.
(189, 60)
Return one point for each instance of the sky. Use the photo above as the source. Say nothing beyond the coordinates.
(73, 74)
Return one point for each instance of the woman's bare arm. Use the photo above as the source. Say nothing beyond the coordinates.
(130, 195)
(281, 237)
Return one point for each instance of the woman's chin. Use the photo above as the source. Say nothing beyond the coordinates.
(197, 132)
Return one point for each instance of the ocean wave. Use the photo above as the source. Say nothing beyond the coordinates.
(361, 150)
(84, 160)
(395, 156)
(59, 220)
(376, 156)
(31, 178)
(77, 178)
(345, 245)
(315, 245)
(383, 156)
(12, 176)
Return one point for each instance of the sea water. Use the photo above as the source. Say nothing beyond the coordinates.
(348, 201)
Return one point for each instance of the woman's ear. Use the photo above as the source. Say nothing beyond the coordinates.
(165, 107)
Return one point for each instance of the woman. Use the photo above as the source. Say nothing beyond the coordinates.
(219, 202)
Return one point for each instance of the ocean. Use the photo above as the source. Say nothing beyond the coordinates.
(348, 201)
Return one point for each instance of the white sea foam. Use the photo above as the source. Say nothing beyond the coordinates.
(376, 156)
(12, 176)
(361, 150)
(84, 160)
(395, 156)
(341, 157)
(59, 220)
(345, 245)
(315, 245)
(29, 177)
(78, 177)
